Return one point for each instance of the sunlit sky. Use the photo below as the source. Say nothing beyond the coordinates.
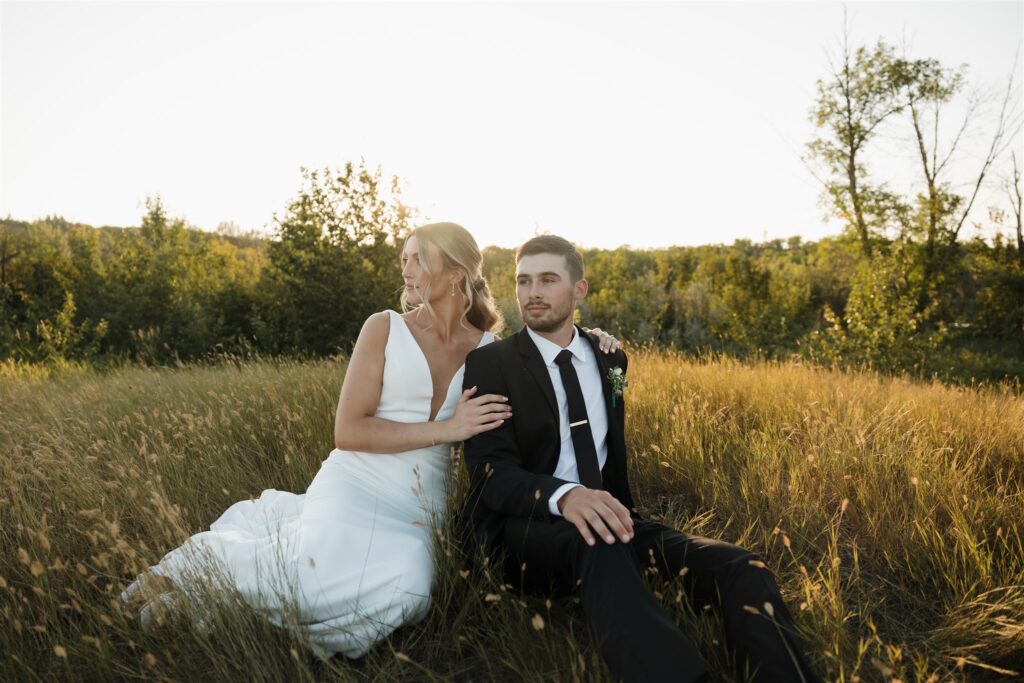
(645, 124)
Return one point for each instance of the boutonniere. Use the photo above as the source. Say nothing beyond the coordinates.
(617, 380)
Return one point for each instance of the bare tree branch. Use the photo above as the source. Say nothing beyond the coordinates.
(973, 105)
(994, 149)
(1013, 191)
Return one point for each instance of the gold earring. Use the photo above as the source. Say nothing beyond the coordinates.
(453, 289)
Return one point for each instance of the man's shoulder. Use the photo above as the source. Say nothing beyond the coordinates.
(485, 363)
(494, 350)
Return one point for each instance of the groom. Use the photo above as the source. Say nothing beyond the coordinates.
(549, 489)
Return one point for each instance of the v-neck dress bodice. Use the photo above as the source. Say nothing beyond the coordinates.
(351, 559)
(408, 390)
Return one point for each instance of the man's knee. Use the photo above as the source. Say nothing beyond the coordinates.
(601, 553)
(750, 573)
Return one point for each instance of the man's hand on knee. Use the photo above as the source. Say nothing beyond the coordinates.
(599, 511)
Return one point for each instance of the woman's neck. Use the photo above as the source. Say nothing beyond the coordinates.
(447, 318)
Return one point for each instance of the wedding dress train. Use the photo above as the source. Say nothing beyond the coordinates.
(351, 559)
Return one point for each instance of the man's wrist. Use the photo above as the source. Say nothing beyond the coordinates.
(557, 500)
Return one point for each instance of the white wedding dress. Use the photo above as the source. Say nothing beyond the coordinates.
(352, 558)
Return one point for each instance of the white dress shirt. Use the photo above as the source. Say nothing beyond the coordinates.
(585, 363)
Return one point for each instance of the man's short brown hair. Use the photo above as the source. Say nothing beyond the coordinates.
(553, 244)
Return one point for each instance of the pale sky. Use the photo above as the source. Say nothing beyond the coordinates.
(646, 124)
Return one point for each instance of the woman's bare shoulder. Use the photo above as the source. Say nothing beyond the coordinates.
(376, 327)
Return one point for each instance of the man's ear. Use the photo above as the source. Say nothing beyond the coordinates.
(580, 289)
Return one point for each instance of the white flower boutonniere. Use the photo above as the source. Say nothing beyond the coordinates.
(618, 382)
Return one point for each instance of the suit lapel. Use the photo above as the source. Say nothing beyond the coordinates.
(534, 363)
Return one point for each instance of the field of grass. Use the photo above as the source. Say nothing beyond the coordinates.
(890, 511)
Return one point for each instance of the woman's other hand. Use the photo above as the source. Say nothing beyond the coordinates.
(605, 341)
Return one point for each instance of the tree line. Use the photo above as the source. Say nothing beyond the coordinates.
(163, 292)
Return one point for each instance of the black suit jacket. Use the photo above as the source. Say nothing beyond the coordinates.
(510, 467)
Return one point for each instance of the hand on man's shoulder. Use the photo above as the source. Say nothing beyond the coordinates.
(615, 358)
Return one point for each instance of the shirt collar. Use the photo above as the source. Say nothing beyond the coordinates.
(549, 350)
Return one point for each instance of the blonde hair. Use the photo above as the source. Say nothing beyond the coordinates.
(459, 251)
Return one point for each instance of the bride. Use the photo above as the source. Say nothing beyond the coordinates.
(352, 558)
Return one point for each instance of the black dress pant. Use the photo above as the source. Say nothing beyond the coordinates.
(638, 640)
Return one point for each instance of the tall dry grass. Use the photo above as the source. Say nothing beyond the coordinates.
(889, 510)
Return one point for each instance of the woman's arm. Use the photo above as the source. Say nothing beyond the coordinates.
(357, 429)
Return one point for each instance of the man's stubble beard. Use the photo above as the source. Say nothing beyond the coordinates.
(543, 325)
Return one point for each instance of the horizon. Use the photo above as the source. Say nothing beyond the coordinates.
(577, 119)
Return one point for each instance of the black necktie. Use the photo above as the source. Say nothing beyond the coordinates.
(579, 425)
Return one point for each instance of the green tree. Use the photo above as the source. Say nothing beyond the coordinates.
(171, 291)
(625, 296)
(499, 268)
(334, 261)
(882, 326)
(860, 94)
(940, 211)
